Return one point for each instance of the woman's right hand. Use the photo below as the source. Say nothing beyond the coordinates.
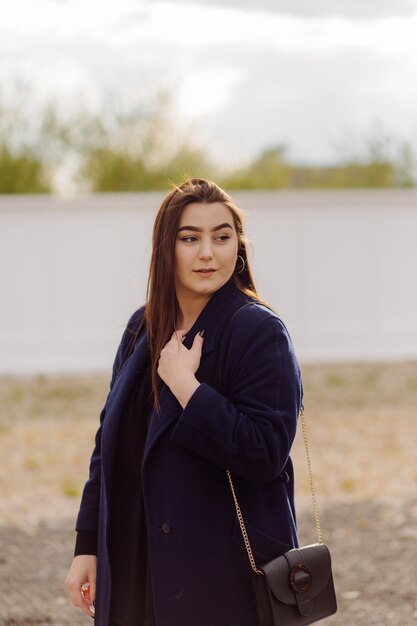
(81, 582)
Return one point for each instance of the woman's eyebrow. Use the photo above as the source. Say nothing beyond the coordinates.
(200, 230)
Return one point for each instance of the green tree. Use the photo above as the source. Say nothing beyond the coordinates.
(344, 176)
(383, 163)
(406, 166)
(269, 170)
(138, 149)
(137, 146)
(110, 170)
(21, 172)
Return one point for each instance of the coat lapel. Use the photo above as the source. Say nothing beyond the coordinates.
(210, 320)
(134, 367)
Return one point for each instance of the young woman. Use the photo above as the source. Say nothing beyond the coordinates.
(205, 379)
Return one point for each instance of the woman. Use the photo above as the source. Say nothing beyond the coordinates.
(205, 379)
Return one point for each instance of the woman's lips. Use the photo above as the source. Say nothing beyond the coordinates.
(205, 272)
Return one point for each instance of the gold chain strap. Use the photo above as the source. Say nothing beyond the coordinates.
(313, 495)
(310, 475)
(243, 527)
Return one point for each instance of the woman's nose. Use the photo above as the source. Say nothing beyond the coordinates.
(205, 251)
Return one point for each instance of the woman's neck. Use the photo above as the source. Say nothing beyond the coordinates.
(190, 309)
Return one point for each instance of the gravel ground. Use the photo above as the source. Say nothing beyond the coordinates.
(362, 424)
(372, 544)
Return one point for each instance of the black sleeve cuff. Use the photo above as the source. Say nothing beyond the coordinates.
(86, 543)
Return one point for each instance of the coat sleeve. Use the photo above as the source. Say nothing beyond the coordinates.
(251, 430)
(87, 519)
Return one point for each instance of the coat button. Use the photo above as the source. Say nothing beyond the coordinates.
(166, 528)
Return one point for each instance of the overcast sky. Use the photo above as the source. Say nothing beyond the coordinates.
(246, 74)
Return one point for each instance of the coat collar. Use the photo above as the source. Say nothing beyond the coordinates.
(212, 316)
(210, 320)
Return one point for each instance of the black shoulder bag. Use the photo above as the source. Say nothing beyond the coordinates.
(296, 588)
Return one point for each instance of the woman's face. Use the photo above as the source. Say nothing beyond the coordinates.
(205, 249)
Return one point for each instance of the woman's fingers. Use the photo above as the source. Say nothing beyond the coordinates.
(80, 597)
(85, 595)
(178, 365)
(92, 589)
(88, 593)
(198, 344)
(81, 583)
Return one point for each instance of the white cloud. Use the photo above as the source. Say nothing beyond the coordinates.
(312, 103)
(352, 9)
(247, 79)
(206, 90)
(62, 19)
(190, 26)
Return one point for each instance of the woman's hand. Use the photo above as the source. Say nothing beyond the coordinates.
(81, 582)
(177, 365)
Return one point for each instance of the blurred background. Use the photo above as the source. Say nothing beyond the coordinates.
(306, 114)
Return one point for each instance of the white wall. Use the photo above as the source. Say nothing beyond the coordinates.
(340, 267)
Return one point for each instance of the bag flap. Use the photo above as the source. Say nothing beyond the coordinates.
(315, 570)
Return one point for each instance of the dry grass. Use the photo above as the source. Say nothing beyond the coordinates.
(362, 424)
(47, 427)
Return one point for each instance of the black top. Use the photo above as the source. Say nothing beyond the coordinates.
(131, 601)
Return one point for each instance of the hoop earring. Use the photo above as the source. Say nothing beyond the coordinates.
(243, 264)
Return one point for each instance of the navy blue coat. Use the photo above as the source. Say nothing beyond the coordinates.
(200, 570)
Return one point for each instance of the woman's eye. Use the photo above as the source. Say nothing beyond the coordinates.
(192, 238)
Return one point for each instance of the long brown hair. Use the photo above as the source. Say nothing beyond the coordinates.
(162, 308)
